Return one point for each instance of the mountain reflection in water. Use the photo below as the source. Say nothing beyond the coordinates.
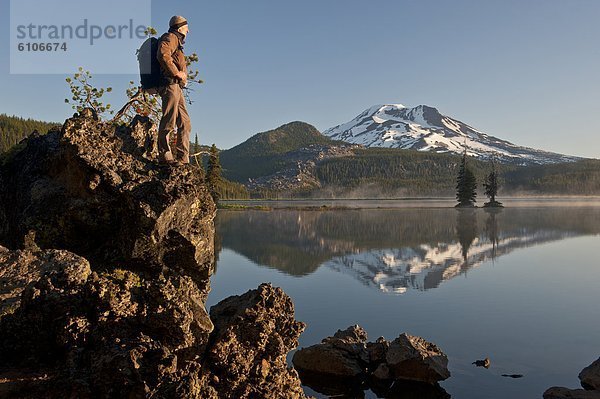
(395, 250)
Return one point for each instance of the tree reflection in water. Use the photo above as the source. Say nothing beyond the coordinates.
(466, 229)
(395, 250)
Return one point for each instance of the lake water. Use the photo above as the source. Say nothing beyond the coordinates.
(520, 286)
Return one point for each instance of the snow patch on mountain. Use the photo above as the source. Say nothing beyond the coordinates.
(424, 128)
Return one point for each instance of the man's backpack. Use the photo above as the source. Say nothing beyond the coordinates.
(150, 72)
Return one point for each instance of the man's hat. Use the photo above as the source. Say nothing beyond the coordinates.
(177, 21)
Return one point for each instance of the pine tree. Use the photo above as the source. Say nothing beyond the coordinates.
(196, 145)
(491, 187)
(466, 184)
(213, 173)
(197, 158)
(200, 167)
(13, 129)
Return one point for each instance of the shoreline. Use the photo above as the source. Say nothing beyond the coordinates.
(402, 203)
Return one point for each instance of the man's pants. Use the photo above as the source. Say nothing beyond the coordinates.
(174, 115)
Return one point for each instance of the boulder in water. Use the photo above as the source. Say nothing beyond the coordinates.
(346, 364)
(590, 376)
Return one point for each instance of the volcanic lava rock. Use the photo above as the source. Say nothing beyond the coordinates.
(20, 268)
(346, 363)
(41, 302)
(117, 334)
(79, 333)
(344, 355)
(106, 298)
(248, 349)
(413, 358)
(94, 189)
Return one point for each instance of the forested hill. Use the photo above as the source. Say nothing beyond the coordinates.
(265, 153)
(14, 129)
(285, 138)
(392, 172)
(296, 160)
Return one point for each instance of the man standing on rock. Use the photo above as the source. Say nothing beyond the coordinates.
(174, 71)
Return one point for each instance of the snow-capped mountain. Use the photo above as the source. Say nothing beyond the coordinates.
(423, 128)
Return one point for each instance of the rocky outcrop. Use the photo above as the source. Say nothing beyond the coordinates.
(348, 358)
(590, 381)
(106, 297)
(247, 351)
(412, 358)
(95, 190)
(126, 334)
(300, 174)
(344, 355)
(19, 269)
(117, 334)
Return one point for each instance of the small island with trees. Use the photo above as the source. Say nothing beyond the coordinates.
(466, 186)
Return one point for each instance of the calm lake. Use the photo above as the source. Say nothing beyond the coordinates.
(519, 285)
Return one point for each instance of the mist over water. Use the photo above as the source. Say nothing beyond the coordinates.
(518, 285)
(366, 202)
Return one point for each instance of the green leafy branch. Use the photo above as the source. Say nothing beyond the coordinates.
(150, 31)
(85, 95)
(190, 61)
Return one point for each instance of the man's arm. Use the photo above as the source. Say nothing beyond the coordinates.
(166, 48)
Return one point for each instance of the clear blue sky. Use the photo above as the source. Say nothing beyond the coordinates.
(527, 71)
